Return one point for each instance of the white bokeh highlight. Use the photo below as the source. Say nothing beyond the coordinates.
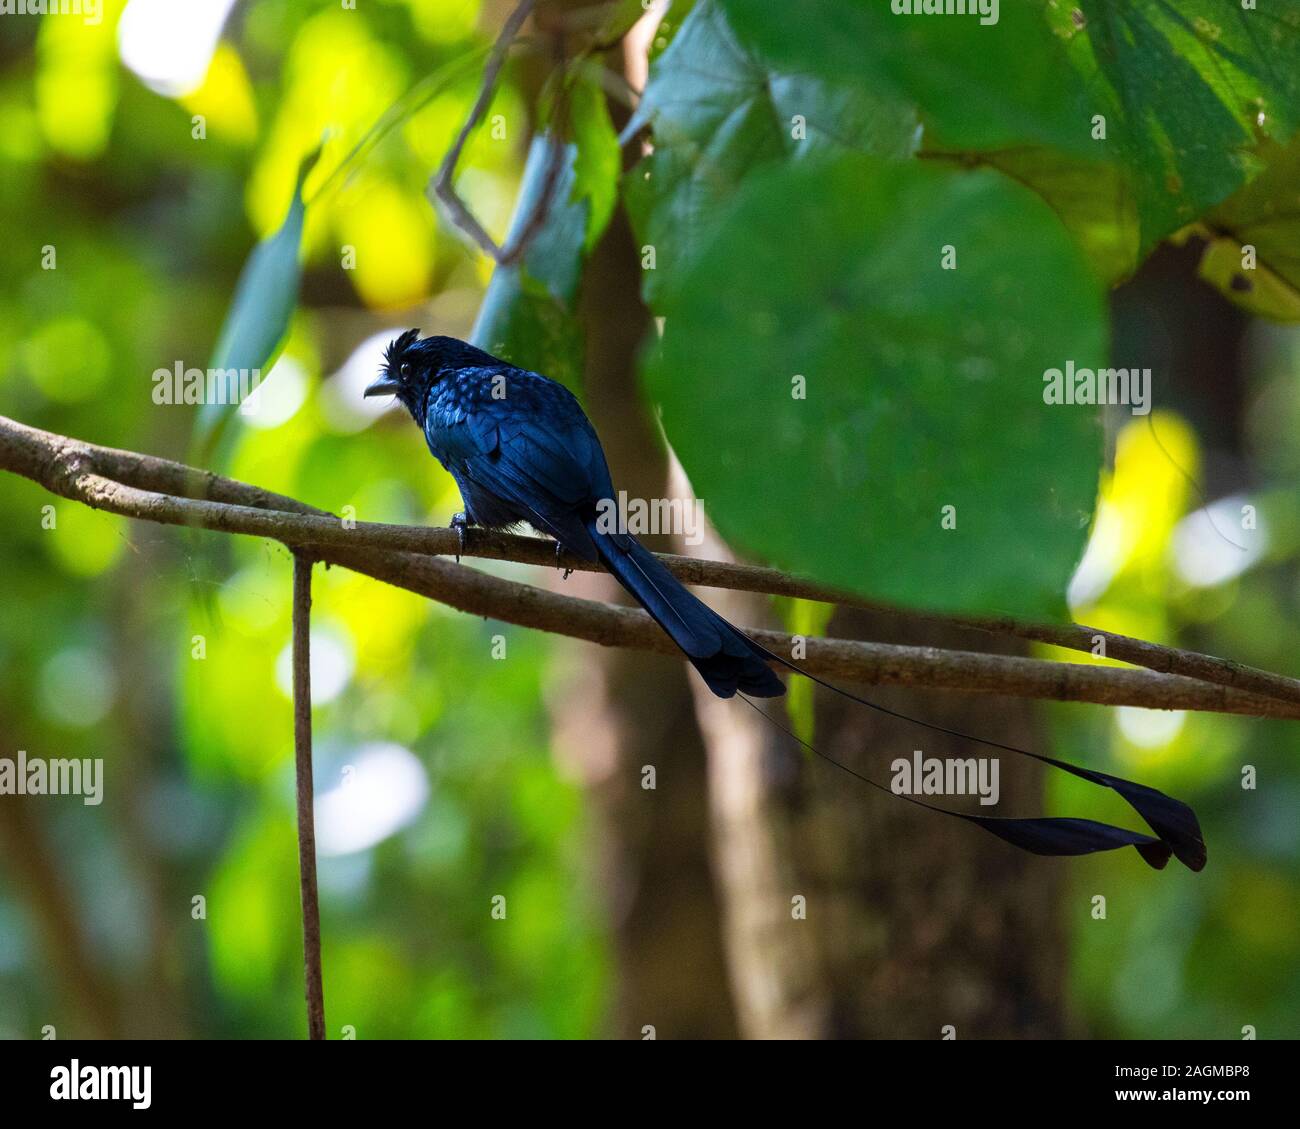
(169, 44)
(384, 789)
(332, 664)
(1210, 547)
(342, 401)
(1149, 729)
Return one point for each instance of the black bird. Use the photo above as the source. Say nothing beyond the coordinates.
(521, 450)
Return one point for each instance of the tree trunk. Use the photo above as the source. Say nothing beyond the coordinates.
(914, 923)
(626, 714)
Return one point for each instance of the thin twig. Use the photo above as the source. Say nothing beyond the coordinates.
(443, 185)
(153, 489)
(302, 566)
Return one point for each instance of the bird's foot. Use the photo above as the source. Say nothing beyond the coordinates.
(460, 523)
(559, 556)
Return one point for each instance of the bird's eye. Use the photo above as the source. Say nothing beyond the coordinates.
(405, 370)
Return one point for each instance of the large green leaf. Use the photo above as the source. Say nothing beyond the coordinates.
(1188, 91)
(718, 113)
(1094, 200)
(979, 86)
(1191, 90)
(924, 386)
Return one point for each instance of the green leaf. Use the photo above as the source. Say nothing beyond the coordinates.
(528, 316)
(1265, 215)
(670, 22)
(258, 320)
(1093, 199)
(1190, 91)
(979, 86)
(1262, 290)
(598, 163)
(924, 386)
(718, 113)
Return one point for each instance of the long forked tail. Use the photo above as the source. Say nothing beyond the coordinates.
(731, 662)
(727, 659)
(1177, 831)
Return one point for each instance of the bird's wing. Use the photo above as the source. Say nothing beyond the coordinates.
(536, 450)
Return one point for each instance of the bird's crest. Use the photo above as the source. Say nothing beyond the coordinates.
(400, 345)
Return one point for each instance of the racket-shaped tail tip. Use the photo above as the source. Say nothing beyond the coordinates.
(1171, 819)
(1188, 842)
(1193, 855)
(1155, 855)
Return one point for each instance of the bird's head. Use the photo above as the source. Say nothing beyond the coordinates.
(413, 364)
(405, 373)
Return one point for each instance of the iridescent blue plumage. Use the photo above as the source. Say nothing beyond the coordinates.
(521, 449)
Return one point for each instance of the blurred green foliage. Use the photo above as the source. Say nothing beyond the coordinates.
(805, 168)
(147, 227)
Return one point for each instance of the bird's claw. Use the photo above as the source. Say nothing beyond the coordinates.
(459, 522)
(559, 555)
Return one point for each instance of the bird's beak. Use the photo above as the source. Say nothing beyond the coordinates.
(382, 385)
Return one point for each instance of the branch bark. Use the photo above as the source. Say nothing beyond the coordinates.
(302, 566)
(158, 490)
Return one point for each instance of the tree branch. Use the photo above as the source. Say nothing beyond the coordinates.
(158, 490)
(302, 565)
